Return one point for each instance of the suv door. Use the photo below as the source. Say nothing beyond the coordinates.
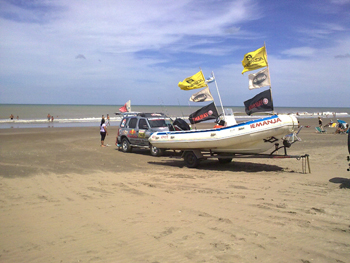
(132, 131)
(142, 135)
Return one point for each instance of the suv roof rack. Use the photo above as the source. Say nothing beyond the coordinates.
(126, 114)
(149, 115)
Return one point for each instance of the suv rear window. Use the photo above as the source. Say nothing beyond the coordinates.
(132, 123)
(143, 124)
(156, 123)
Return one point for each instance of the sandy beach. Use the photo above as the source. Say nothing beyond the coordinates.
(66, 199)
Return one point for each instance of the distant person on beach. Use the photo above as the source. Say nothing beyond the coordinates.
(17, 117)
(108, 120)
(48, 117)
(103, 132)
(52, 118)
(320, 122)
(11, 117)
(341, 129)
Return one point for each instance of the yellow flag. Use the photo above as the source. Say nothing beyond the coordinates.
(197, 81)
(254, 60)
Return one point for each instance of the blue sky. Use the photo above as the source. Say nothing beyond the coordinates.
(107, 52)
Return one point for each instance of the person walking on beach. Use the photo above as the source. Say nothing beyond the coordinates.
(108, 123)
(48, 117)
(320, 122)
(103, 132)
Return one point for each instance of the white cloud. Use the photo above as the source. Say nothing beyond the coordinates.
(300, 52)
(142, 49)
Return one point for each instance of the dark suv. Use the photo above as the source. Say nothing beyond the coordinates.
(134, 131)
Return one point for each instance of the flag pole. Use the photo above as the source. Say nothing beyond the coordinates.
(268, 69)
(190, 121)
(223, 112)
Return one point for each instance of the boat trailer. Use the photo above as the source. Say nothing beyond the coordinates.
(192, 158)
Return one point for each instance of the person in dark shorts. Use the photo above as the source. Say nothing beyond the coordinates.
(103, 132)
(320, 123)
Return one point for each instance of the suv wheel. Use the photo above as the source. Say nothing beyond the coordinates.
(156, 151)
(126, 146)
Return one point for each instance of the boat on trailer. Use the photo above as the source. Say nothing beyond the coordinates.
(254, 136)
(250, 137)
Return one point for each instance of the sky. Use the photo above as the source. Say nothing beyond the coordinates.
(111, 51)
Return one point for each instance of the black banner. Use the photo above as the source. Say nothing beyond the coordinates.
(206, 113)
(261, 102)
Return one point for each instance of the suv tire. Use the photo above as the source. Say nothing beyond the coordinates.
(126, 145)
(156, 151)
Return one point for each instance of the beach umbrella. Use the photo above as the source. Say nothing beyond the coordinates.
(342, 124)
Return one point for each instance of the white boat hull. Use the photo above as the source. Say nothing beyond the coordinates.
(248, 137)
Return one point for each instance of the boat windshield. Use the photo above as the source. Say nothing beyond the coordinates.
(157, 123)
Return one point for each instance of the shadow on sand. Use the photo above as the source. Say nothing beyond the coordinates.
(344, 182)
(175, 160)
(214, 165)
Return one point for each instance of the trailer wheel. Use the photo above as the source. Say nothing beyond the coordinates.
(224, 160)
(191, 160)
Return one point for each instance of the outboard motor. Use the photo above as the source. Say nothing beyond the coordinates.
(181, 125)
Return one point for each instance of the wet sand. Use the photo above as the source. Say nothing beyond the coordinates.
(66, 199)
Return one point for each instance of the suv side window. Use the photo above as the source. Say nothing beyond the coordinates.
(132, 123)
(123, 122)
(143, 124)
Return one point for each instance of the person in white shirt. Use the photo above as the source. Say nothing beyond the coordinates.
(103, 132)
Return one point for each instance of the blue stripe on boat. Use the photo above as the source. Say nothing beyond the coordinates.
(218, 129)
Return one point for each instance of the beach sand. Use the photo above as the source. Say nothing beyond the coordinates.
(66, 199)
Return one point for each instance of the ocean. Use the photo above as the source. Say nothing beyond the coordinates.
(35, 116)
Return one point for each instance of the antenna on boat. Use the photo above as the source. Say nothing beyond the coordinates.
(268, 70)
(191, 111)
(217, 88)
(180, 108)
(162, 105)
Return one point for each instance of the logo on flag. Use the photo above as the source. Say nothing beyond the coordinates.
(203, 95)
(206, 113)
(197, 81)
(259, 80)
(260, 103)
(254, 60)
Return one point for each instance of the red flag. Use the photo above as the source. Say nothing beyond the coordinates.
(123, 109)
(126, 107)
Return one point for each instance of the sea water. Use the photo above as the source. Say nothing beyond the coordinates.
(35, 116)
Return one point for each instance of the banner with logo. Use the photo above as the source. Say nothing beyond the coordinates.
(197, 81)
(260, 79)
(206, 113)
(254, 60)
(126, 107)
(203, 95)
(260, 103)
